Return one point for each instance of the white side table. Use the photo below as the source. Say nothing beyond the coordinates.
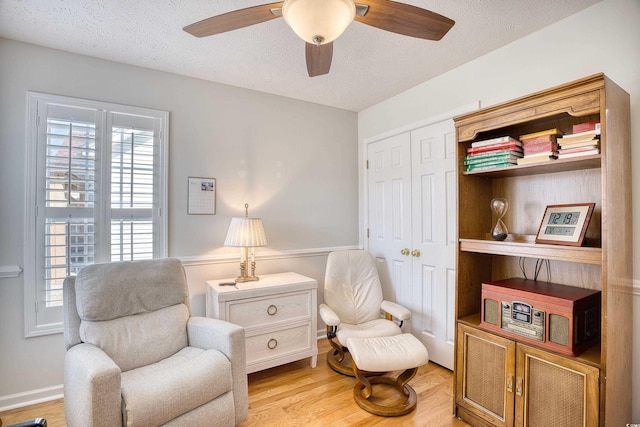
(278, 312)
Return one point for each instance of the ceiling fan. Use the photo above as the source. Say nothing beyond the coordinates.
(320, 22)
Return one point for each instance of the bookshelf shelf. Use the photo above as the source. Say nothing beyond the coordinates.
(586, 255)
(489, 362)
(562, 165)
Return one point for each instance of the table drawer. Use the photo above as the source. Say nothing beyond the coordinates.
(277, 343)
(270, 310)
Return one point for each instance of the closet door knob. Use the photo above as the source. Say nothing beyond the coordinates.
(415, 253)
(405, 251)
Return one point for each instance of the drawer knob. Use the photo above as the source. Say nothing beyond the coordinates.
(273, 343)
(271, 310)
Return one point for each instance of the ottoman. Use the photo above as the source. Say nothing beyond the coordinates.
(385, 354)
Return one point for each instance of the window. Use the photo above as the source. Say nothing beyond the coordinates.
(96, 192)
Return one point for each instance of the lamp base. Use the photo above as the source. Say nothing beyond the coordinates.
(244, 279)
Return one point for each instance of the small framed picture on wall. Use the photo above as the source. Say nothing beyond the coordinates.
(201, 196)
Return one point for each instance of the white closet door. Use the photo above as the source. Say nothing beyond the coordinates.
(389, 211)
(411, 188)
(433, 207)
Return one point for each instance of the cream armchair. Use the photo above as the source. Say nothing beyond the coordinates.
(136, 357)
(354, 305)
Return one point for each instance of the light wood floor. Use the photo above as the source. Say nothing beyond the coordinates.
(296, 395)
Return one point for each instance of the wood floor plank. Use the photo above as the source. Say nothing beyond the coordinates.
(297, 395)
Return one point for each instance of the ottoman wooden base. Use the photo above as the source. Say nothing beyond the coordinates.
(363, 394)
(339, 359)
(401, 352)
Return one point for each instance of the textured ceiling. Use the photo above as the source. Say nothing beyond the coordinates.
(369, 65)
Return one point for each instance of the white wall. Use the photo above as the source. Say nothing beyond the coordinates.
(292, 161)
(603, 38)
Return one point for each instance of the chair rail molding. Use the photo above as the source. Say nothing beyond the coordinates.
(261, 256)
(7, 271)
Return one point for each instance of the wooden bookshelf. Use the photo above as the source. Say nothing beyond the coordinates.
(604, 263)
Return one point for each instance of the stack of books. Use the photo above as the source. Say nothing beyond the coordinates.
(584, 141)
(539, 146)
(493, 153)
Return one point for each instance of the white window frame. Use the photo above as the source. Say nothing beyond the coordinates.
(33, 238)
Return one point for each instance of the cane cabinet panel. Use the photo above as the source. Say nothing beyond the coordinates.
(505, 383)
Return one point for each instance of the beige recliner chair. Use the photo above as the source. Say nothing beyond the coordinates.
(354, 306)
(136, 357)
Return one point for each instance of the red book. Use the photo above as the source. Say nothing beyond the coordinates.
(492, 141)
(538, 139)
(579, 153)
(494, 147)
(584, 127)
(578, 149)
(541, 147)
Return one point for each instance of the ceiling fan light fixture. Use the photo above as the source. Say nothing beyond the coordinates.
(318, 21)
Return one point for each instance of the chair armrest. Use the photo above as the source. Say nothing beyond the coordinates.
(396, 310)
(91, 388)
(328, 316)
(228, 338)
(207, 333)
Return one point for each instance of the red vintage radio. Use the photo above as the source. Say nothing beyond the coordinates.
(556, 317)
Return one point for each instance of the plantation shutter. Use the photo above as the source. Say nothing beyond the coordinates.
(67, 201)
(134, 142)
(99, 195)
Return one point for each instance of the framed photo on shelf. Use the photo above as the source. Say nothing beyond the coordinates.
(565, 224)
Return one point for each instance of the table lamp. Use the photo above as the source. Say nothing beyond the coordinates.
(246, 233)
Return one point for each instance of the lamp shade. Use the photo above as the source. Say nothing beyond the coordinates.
(245, 232)
(318, 21)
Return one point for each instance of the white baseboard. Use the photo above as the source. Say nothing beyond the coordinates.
(31, 397)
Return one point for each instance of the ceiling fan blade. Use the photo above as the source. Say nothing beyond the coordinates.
(405, 19)
(318, 58)
(234, 20)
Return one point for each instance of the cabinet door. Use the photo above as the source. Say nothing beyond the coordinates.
(485, 375)
(555, 391)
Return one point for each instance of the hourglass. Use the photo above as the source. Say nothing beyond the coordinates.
(499, 207)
